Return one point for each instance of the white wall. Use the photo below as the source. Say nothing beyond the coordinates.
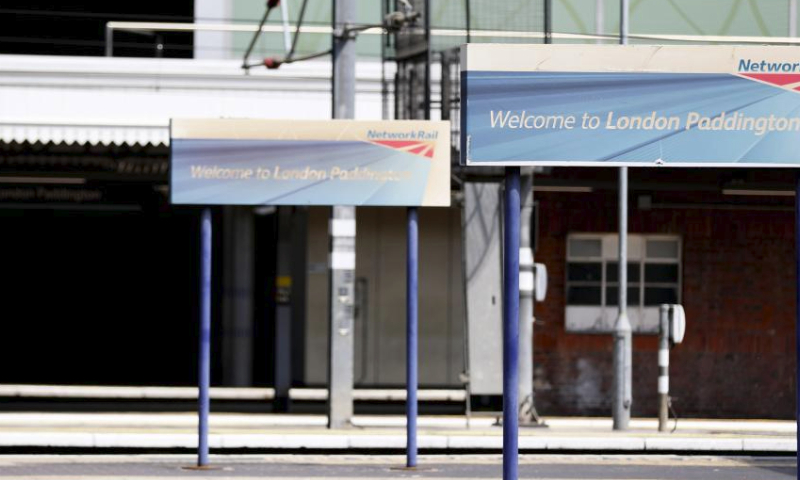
(46, 98)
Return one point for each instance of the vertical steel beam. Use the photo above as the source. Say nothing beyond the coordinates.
(287, 36)
(342, 298)
(624, 24)
(511, 324)
(622, 329)
(428, 59)
(109, 41)
(343, 231)
(238, 245)
(411, 337)
(344, 59)
(792, 18)
(623, 342)
(283, 308)
(204, 352)
(599, 19)
(548, 21)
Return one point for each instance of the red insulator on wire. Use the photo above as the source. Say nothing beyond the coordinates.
(273, 3)
(272, 63)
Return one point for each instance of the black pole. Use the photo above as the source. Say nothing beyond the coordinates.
(468, 13)
(797, 306)
(548, 21)
(427, 60)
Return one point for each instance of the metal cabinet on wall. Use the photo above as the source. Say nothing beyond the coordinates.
(380, 304)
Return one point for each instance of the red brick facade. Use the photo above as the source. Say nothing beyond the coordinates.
(738, 290)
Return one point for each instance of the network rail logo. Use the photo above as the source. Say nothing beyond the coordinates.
(785, 75)
(415, 142)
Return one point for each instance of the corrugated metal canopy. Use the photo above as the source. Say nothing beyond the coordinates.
(94, 134)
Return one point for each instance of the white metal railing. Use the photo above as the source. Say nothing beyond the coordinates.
(150, 27)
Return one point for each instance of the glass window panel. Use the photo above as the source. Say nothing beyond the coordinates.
(584, 296)
(612, 269)
(659, 295)
(661, 273)
(662, 249)
(612, 296)
(585, 272)
(585, 247)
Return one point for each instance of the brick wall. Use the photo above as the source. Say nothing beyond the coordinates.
(738, 356)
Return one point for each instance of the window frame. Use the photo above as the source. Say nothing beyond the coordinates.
(644, 318)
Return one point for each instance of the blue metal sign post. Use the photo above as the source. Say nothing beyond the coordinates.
(412, 266)
(333, 162)
(511, 324)
(621, 106)
(205, 338)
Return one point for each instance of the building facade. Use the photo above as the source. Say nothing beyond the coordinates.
(101, 273)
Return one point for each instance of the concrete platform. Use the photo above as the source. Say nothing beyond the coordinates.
(386, 433)
(548, 466)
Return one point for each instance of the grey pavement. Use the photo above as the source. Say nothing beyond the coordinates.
(270, 432)
(285, 467)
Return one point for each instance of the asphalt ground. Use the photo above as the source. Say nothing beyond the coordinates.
(291, 467)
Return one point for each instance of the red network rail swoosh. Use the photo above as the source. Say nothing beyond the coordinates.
(415, 147)
(789, 81)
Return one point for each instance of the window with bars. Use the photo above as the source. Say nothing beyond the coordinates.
(592, 283)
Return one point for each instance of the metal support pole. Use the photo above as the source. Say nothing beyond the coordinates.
(622, 329)
(205, 338)
(238, 280)
(287, 37)
(624, 24)
(797, 306)
(525, 395)
(663, 367)
(792, 18)
(468, 21)
(283, 308)
(427, 90)
(109, 41)
(599, 19)
(412, 264)
(548, 21)
(511, 324)
(343, 233)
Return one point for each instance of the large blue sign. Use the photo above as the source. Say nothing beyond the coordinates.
(630, 105)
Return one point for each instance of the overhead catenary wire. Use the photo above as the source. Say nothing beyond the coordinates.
(300, 19)
(273, 63)
(271, 4)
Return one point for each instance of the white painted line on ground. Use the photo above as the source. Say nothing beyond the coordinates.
(49, 439)
(530, 442)
(769, 444)
(474, 441)
(377, 441)
(389, 441)
(596, 443)
(694, 444)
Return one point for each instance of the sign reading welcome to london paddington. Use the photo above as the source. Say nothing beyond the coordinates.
(591, 105)
(330, 162)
